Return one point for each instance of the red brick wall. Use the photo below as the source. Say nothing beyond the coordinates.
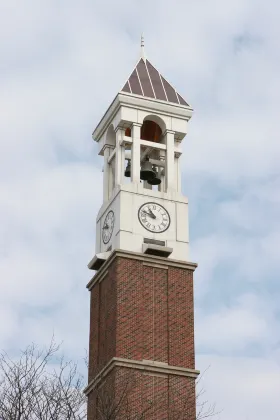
(130, 309)
(129, 394)
(181, 317)
(143, 312)
(155, 313)
(103, 322)
(182, 399)
(93, 332)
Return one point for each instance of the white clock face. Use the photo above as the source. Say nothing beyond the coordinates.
(108, 227)
(154, 217)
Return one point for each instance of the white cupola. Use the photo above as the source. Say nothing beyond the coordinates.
(140, 138)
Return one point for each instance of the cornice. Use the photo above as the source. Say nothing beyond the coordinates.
(141, 103)
(148, 366)
(145, 258)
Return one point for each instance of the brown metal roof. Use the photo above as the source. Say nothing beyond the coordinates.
(146, 81)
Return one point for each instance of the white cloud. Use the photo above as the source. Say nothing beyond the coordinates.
(247, 321)
(47, 239)
(244, 388)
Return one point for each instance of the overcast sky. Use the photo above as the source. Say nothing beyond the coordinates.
(62, 63)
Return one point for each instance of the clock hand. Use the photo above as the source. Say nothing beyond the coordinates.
(143, 211)
(149, 214)
(152, 214)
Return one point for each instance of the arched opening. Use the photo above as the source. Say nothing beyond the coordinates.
(127, 132)
(151, 131)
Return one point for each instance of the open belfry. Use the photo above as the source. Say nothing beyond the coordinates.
(141, 349)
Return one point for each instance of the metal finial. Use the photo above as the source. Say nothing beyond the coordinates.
(142, 47)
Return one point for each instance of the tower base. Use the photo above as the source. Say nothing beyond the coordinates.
(141, 353)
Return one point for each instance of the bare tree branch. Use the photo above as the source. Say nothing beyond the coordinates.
(30, 391)
(39, 386)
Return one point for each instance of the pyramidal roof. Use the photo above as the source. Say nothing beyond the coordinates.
(146, 81)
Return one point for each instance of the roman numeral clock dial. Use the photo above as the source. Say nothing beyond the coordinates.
(108, 227)
(154, 217)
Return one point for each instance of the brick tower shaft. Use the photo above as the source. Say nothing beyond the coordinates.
(141, 358)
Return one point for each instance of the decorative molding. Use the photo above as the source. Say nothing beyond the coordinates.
(155, 106)
(106, 146)
(98, 279)
(119, 127)
(164, 267)
(125, 140)
(103, 276)
(167, 131)
(145, 258)
(177, 153)
(159, 250)
(147, 366)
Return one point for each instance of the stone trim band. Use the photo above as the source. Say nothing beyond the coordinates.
(151, 259)
(147, 366)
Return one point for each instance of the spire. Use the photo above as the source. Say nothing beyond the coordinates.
(142, 48)
(145, 80)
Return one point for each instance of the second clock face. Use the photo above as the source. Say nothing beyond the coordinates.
(154, 217)
(108, 227)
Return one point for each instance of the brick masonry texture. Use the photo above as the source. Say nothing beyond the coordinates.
(142, 312)
(128, 395)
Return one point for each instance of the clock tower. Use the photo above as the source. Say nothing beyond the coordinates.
(141, 352)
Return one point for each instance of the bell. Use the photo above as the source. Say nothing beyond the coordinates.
(127, 171)
(147, 172)
(156, 180)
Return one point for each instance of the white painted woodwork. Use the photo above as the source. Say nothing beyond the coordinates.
(106, 174)
(129, 234)
(119, 160)
(153, 145)
(178, 174)
(123, 195)
(135, 158)
(170, 159)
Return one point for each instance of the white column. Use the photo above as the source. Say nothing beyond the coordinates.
(106, 174)
(119, 159)
(178, 173)
(161, 187)
(170, 161)
(112, 172)
(135, 155)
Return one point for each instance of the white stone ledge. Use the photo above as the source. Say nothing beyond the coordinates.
(158, 250)
(146, 366)
(145, 258)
